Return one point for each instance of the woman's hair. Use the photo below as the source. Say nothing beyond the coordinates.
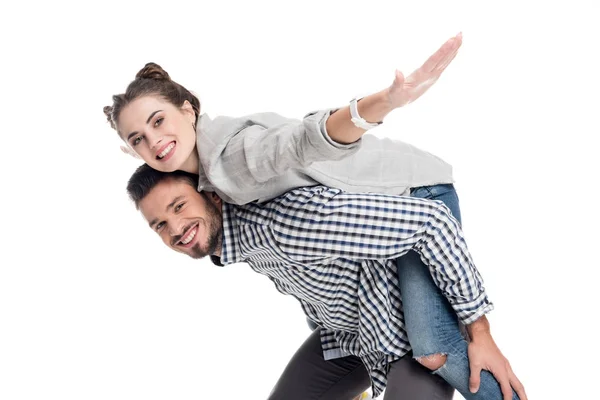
(151, 80)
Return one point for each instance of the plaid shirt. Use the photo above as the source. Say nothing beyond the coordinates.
(334, 251)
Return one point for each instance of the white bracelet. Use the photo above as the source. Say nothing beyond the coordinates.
(357, 120)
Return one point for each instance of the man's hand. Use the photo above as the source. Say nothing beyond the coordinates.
(485, 354)
(404, 91)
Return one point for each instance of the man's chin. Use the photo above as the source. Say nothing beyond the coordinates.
(197, 252)
(197, 256)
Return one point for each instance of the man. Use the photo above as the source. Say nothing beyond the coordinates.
(335, 252)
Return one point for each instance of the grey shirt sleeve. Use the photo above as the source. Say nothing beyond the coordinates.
(270, 145)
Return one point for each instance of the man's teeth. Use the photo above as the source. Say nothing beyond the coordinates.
(189, 237)
(166, 151)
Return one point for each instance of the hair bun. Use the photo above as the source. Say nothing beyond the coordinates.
(108, 112)
(153, 71)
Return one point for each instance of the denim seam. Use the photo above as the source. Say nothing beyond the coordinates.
(441, 369)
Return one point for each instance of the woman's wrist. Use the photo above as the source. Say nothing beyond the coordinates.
(375, 107)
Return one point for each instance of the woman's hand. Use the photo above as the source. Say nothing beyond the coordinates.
(375, 107)
(406, 90)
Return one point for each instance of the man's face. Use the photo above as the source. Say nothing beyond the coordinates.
(187, 221)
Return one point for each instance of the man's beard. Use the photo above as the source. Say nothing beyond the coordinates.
(214, 227)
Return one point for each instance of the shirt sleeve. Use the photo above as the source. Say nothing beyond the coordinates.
(319, 224)
(270, 145)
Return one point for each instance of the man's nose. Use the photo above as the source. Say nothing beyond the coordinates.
(176, 228)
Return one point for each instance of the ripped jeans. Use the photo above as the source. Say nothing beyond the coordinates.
(431, 323)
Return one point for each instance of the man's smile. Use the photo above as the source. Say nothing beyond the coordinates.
(189, 237)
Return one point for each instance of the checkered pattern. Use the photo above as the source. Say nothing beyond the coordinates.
(334, 251)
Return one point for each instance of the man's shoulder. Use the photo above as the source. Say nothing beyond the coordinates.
(294, 198)
(300, 200)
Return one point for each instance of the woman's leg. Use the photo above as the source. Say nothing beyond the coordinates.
(431, 324)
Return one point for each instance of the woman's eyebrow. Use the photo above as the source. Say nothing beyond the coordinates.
(147, 121)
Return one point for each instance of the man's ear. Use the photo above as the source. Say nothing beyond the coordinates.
(215, 198)
(127, 150)
(188, 110)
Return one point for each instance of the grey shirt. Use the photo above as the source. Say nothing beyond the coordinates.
(261, 156)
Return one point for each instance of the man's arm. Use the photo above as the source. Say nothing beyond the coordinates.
(402, 91)
(328, 223)
(485, 354)
(319, 224)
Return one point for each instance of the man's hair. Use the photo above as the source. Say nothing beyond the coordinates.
(145, 178)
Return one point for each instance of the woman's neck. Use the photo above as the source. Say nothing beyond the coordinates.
(192, 164)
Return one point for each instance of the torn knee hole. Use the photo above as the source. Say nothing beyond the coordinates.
(432, 361)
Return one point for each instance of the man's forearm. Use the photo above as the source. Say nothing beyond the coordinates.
(368, 226)
(372, 108)
(479, 327)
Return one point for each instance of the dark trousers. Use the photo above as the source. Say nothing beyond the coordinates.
(309, 377)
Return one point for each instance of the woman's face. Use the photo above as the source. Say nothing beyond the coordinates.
(160, 133)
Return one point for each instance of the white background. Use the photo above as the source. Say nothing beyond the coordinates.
(93, 306)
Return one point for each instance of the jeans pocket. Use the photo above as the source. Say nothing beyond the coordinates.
(423, 192)
(432, 192)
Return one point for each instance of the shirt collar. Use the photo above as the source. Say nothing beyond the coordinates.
(204, 122)
(230, 249)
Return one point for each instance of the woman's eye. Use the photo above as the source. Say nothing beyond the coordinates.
(158, 121)
(178, 207)
(137, 140)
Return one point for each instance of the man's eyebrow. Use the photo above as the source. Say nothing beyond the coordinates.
(169, 206)
(147, 121)
(175, 200)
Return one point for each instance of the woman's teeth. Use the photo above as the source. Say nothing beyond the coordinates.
(166, 151)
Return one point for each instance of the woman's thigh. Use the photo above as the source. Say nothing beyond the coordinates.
(431, 323)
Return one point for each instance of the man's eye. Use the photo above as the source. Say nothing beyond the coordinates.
(178, 207)
(159, 225)
(158, 121)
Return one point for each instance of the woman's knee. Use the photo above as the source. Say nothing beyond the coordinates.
(432, 361)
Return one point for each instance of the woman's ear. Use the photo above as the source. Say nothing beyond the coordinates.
(132, 153)
(188, 110)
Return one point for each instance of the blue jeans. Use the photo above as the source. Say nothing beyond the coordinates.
(431, 323)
